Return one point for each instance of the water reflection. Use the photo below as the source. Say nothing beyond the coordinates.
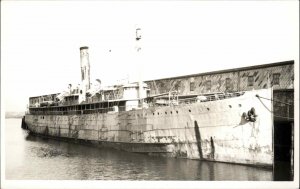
(86, 162)
(40, 158)
(282, 171)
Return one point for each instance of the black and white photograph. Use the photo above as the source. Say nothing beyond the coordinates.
(149, 94)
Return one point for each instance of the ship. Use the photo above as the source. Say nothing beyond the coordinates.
(234, 127)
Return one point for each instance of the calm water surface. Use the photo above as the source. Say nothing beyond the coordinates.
(30, 157)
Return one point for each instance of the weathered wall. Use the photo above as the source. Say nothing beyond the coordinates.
(214, 130)
(264, 78)
(237, 80)
(284, 105)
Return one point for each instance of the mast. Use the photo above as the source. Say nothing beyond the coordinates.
(138, 38)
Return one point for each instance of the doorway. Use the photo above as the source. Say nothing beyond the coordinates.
(283, 151)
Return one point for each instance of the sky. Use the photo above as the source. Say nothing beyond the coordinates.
(40, 41)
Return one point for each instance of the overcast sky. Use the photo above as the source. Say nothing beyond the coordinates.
(40, 40)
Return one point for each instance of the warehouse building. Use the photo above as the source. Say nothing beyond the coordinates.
(279, 76)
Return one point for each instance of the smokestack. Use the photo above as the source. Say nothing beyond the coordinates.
(85, 73)
(85, 67)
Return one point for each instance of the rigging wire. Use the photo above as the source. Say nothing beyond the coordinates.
(277, 102)
(273, 100)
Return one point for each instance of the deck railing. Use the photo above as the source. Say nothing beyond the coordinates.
(47, 111)
(198, 99)
(210, 97)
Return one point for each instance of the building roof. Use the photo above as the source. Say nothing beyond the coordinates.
(289, 62)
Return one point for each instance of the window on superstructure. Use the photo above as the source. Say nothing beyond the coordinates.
(208, 85)
(228, 83)
(250, 81)
(276, 77)
(192, 86)
(177, 85)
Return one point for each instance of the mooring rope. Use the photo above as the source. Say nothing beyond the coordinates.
(278, 102)
(273, 100)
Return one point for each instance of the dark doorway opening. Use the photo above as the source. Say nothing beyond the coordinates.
(283, 151)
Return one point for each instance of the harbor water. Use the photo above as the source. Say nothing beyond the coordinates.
(36, 158)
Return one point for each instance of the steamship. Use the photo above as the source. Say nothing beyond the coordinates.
(226, 127)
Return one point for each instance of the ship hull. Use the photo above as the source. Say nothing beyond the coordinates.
(214, 130)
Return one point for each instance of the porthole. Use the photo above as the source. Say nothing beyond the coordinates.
(208, 109)
(171, 112)
(176, 111)
(157, 113)
(153, 113)
(240, 105)
(190, 110)
(165, 112)
(230, 106)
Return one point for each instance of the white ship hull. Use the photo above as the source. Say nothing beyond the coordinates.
(213, 130)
